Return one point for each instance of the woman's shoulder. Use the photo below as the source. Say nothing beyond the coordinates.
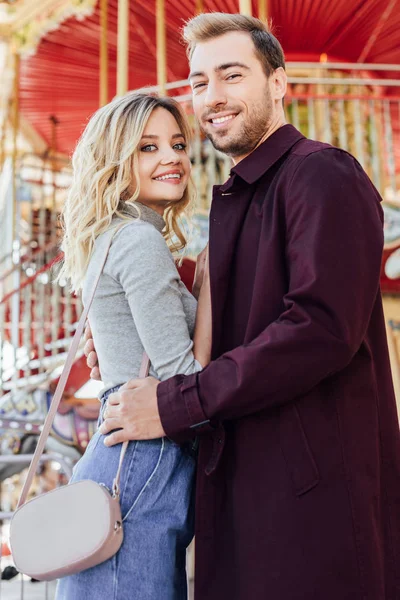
(136, 246)
(127, 228)
(130, 234)
(140, 237)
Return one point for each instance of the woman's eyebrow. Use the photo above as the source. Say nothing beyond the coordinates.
(155, 137)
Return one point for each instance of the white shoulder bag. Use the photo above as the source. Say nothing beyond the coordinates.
(76, 526)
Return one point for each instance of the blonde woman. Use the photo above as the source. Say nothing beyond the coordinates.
(131, 168)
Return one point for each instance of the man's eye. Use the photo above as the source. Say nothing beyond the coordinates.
(180, 146)
(196, 86)
(234, 76)
(149, 148)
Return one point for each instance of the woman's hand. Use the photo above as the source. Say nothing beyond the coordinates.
(202, 338)
(91, 355)
(201, 265)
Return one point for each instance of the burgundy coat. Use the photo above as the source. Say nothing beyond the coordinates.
(298, 489)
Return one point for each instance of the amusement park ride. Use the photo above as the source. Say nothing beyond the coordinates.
(64, 58)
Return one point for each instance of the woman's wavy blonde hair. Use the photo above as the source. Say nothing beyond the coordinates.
(105, 165)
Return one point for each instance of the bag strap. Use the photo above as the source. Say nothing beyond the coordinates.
(144, 371)
(62, 383)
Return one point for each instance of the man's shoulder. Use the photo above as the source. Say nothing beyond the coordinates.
(314, 164)
(318, 156)
(306, 148)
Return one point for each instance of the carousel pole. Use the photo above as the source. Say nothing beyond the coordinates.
(123, 47)
(3, 139)
(54, 287)
(263, 10)
(245, 7)
(15, 303)
(14, 156)
(199, 7)
(161, 47)
(7, 249)
(103, 81)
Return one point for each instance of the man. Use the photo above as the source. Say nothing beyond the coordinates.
(298, 474)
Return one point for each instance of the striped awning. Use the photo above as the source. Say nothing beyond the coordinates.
(61, 79)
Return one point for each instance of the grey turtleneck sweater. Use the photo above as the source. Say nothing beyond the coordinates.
(140, 304)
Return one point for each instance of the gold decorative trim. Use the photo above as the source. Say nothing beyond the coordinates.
(26, 40)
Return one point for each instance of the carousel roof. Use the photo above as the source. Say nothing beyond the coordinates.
(61, 79)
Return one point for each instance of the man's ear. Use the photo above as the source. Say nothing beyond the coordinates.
(279, 83)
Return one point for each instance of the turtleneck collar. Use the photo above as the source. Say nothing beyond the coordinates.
(146, 214)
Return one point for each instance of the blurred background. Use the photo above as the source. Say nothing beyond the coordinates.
(62, 59)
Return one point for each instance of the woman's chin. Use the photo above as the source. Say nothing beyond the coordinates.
(170, 196)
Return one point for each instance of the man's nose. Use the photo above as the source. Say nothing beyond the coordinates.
(214, 96)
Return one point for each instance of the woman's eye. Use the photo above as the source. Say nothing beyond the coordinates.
(180, 146)
(149, 148)
(197, 86)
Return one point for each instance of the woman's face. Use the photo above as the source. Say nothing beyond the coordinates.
(164, 166)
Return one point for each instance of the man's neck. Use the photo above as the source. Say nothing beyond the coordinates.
(279, 122)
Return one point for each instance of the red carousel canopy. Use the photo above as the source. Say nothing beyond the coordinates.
(61, 79)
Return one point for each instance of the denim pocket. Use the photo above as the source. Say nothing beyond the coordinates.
(103, 407)
(139, 472)
(104, 403)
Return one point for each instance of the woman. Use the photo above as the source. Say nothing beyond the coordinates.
(132, 170)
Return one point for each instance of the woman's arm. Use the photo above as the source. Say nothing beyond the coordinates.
(141, 262)
(203, 330)
(199, 272)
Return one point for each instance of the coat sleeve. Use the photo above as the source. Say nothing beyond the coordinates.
(334, 241)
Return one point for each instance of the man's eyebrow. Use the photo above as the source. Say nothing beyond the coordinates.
(155, 137)
(220, 68)
(226, 66)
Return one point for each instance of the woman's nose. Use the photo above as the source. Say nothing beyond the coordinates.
(171, 157)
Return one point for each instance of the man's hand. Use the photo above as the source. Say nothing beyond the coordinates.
(199, 273)
(133, 410)
(91, 355)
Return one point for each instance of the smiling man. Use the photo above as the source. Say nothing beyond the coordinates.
(243, 115)
(298, 473)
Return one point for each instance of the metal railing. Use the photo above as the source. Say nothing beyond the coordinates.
(37, 340)
(36, 313)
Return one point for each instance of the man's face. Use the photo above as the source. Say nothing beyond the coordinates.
(234, 101)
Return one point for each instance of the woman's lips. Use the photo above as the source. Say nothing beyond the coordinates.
(171, 180)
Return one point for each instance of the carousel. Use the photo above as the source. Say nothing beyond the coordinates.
(62, 59)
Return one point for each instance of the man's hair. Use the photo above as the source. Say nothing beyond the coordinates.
(211, 25)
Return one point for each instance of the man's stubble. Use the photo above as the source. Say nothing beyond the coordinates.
(252, 129)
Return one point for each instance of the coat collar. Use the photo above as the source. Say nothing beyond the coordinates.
(256, 164)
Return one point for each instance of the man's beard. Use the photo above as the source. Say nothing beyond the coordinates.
(250, 133)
